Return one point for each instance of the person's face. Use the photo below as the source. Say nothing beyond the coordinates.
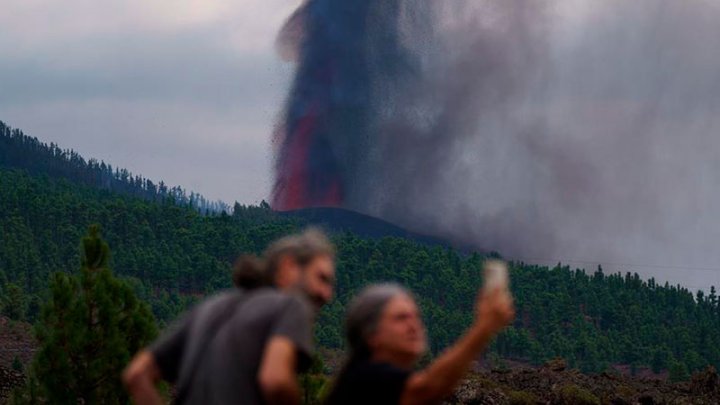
(400, 332)
(318, 280)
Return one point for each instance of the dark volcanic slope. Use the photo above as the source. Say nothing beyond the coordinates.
(342, 220)
(559, 386)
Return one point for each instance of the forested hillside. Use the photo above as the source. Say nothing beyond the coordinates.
(173, 255)
(18, 150)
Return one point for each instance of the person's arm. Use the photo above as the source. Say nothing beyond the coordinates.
(287, 351)
(159, 361)
(277, 377)
(495, 311)
(140, 378)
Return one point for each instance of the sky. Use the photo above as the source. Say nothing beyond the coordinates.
(181, 91)
(185, 91)
(188, 91)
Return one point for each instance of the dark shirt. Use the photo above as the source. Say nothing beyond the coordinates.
(224, 369)
(369, 383)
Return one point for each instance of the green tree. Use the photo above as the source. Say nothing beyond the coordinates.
(175, 255)
(678, 371)
(14, 303)
(88, 330)
(661, 359)
(17, 365)
(313, 382)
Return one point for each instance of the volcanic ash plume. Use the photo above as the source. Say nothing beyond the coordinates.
(382, 94)
(573, 129)
(327, 112)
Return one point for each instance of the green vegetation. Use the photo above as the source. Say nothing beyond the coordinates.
(314, 383)
(172, 255)
(522, 398)
(678, 371)
(13, 302)
(572, 394)
(87, 331)
(20, 151)
(17, 365)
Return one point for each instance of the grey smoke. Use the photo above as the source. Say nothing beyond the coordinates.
(549, 137)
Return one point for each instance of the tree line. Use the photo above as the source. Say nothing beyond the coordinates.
(171, 256)
(18, 150)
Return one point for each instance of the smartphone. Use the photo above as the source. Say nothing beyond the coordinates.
(496, 275)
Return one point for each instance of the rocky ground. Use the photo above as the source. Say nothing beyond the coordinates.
(9, 379)
(555, 384)
(16, 343)
(17, 347)
(551, 384)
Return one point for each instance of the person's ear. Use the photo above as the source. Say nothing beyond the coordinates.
(288, 272)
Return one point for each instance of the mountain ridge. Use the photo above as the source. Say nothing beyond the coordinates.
(173, 256)
(339, 220)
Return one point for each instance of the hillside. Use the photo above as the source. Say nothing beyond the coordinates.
(173, 255)
(338, 220)
(21, 151)
(555, 384)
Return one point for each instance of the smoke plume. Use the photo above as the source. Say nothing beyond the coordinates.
(580, 130)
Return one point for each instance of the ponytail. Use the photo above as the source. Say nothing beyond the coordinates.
(249, 273)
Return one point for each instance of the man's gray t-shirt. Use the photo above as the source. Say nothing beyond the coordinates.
(226, 368)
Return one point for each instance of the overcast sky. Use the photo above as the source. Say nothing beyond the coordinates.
(180, 90)
(184, 91)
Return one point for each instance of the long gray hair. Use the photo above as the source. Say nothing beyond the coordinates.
(363, 315)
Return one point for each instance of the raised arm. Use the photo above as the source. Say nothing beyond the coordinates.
(494, 311)
(140, 378)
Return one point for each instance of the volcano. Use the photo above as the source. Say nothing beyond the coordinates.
(339, 220)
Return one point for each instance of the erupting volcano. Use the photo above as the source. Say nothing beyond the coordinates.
(551, 129)
(326, 116)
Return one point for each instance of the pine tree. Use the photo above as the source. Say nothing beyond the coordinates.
(313, 382)
(88, 331)
(678, 371)
(14, 303)
(17, 365)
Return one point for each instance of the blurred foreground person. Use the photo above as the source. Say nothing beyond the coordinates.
(244, 346)
(386, 338)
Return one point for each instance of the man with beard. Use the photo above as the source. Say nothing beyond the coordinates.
(244, 346)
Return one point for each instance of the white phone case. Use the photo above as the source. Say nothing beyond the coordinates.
(496, 275)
